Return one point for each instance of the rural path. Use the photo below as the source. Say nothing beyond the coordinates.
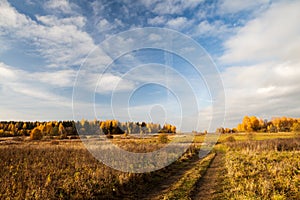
(158, 190)
(209, 185)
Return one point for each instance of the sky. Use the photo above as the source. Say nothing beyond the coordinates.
(65, 60)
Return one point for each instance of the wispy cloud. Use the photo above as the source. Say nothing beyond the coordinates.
(32, 96)
(216, 29)
(178, 23)
(235, 6)
(162, 7)
(158, 20)
(261, 38)
(54, 38)
(62, 6)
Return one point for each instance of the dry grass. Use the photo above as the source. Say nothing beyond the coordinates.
(47, 171)
(66, 170)
(263, 170)
(257, 136)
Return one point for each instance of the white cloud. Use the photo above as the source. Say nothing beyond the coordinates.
(104, 25)
(56, 40)
(61, 78)
(273, 35)
(234, 6)
(32, 96)
(59, 6)
(158, 20)
(5, 72)
(264, 58)
(265, 90)
(177, 23)
(9, 17)
(155, 37)
(162, 7)
(51, 20)
(109, 82)
(214, 29)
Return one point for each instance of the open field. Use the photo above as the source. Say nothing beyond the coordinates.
(242, 166)
(263, 169)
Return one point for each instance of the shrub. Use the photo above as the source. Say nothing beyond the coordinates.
(230, 139)
(163, 138)
(36, 134)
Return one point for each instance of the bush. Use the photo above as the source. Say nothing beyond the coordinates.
(230, 139)
(36, 134)
(163, 138)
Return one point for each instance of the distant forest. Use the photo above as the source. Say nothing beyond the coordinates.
(64, 129)
(255, 124)
(68, 128)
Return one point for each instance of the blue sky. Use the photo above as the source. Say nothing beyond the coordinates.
(254, 44)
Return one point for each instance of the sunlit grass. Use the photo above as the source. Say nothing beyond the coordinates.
(256, 136)
(265, 169)
(65, 168)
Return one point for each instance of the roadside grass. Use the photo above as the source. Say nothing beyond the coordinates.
(266, 169)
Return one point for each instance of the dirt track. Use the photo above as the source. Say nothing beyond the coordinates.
(157, 191)
(209, 185)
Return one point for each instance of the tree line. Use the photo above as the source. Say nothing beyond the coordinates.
(84, 127)
(255, 124)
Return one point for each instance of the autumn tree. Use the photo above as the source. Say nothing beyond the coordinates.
(296, 127)
(168, 128)
(36, 134)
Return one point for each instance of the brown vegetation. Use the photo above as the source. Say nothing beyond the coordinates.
(66, 170)
(267, 169)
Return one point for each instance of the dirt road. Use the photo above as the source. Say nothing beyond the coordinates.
(209, 185)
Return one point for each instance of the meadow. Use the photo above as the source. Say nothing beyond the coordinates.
(268, 169)
(256, 166)
(65, 169)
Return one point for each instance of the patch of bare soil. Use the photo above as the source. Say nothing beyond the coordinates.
(210, 185)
